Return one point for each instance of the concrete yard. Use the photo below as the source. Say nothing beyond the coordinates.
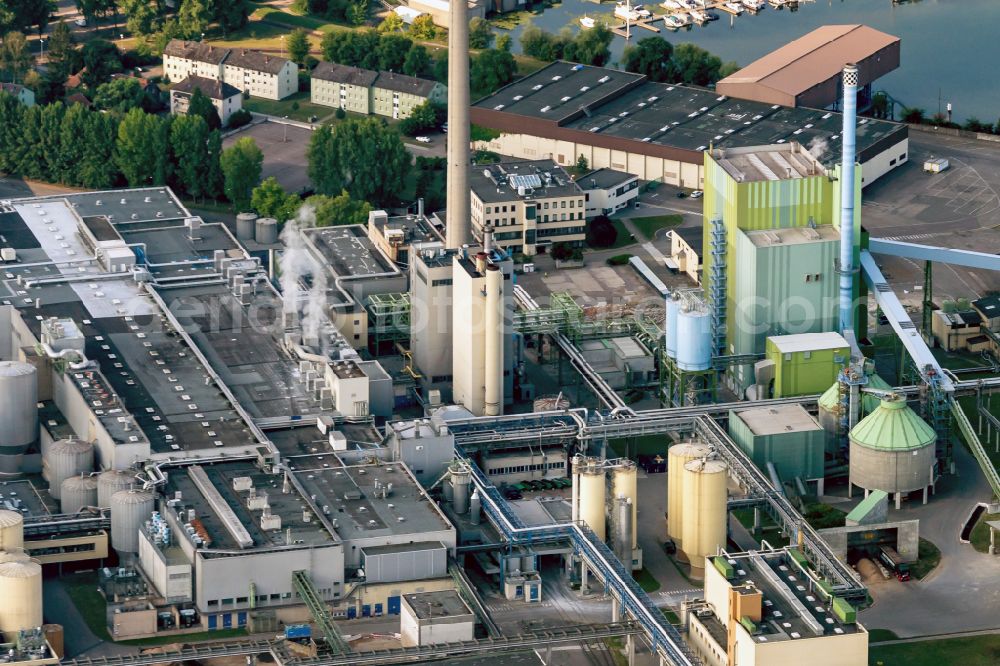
(284, 148)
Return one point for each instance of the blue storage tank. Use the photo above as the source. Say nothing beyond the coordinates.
(670, 324)
(694, 339)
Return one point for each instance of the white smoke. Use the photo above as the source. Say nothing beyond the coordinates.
(299, 269)
(818, 147)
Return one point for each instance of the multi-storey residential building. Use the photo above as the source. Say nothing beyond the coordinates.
(225, 98)
(364, 91)
(25, 96)
(253, 72)
(530, 205)
(348, 88)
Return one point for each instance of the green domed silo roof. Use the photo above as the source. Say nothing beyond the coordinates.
(830, 397)
(893, 426)
(869, 403)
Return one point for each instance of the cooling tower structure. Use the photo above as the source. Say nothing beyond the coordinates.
(493, 337)
(111, 481)
(21, 592)
(77, 492)
(129, 510)
(624, 478)
(461, 478)
(589, 491)
(677, 456)
(458, 210)
(894, 450)
(11, 530)
(66, 458)
(705, 512)
(18, 413)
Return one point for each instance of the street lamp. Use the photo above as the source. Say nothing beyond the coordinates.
(41, 56)
(285, 126)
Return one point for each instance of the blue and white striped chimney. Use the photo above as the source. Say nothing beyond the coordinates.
(847, 197)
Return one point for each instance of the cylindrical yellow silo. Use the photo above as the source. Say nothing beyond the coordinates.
(623, 484)
(705, 514)
(11, 530)
(677, 456)
(592, 495)
(494, 342)
(21, 591)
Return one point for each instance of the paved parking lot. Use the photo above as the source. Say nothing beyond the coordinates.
(284, 148)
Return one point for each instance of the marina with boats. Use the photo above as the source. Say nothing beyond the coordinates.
(678, 14)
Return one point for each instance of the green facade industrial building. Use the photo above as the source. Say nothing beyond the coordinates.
(786, 435)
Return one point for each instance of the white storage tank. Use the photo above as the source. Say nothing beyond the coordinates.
(705, 511)
(624, 484)
(14, 556)
(67, 457)
(11, 530)
(694, 339)
(590, 491)
(77, 492)
(18, 413)
(129, 510)
(460, 481)
(266, 231)
(21, 592)
(111, 481)
(245, 226)
(677, 456)
(670, 324)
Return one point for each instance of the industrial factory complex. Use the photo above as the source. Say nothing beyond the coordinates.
(401, 442)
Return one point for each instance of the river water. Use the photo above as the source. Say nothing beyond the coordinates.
(950, 48)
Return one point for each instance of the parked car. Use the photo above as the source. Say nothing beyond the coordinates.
(697, 194)
(512, 494)
(82, 22)
(423, 139)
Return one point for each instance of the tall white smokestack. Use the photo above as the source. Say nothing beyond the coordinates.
(847, 270)
(494, 342)
(457, 217)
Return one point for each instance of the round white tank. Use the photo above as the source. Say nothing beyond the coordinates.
(21, 591)
(77, 492)
(670, 324)
(624, 484)
(11, 530)
(266, 231)
(14, 556)
(592, 490)
(245, 224)
(705, 512)
(677, 456)
(694, 340)
(110, 482)
(18, 413)
(460, 481)
(67, 457)
(129, 510)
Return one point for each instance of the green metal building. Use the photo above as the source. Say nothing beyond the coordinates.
(806, 363)
(771, 239)
(786, 435)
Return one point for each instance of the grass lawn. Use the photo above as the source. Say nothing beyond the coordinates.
(769, 529)
(648, 226)
(646, 580)
(283, 107)
(968, 651)
(822, 516)
(929, 556)
(671, 616)
(624, 238)
(878, 635)
(219, 635)
(980, 537)
(82, 589)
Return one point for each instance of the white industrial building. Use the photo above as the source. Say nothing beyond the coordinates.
(435, 617)
(607, 191)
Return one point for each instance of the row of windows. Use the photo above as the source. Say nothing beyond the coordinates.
(564, 231)
(441, 283)
(561, 217)
(515, 469)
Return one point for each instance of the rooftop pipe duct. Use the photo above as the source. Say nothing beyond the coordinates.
(847, 269)
(458, 205)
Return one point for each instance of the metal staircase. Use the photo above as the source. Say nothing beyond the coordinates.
(320, 613)
(717, 293)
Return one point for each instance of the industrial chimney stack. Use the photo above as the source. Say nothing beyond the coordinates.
(847, 268)
(457, 217)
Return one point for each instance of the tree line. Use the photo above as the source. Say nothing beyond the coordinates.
(588, 47)
(662, 62)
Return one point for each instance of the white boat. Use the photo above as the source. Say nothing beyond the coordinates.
(676, 20)
(734, 7)
(642, 12)
(587, 22)
(777, 4)
(699, 16)
(626, 11)
(690, 4)
(754, 5)
(672, 5)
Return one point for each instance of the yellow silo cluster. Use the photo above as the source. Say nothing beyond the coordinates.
(20, 579)
(697, 493)
(592, 503)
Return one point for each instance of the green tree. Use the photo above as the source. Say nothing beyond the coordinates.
(214, 178)
(417, 60)
(582, 165)
(589, 47)
(73, 134)
(694, 65)
(912, 114)
(298, 45)
(391, 51)
(480, 33)
(504, 42)
(269, 199)
(651, 57)
(97, 167)
(539, 44)
(50, 126)
(422, 117)
(189, 141)
(393, 22)
(102, 59)
(192, 18)
(341, 209)
(32, 13)
(50, 86)
(229, 14)
(91, 9)
(491, 70)
(31, 161)
(363, 156)
(119, 95)
(241, 166)
(15, 58)
(142, 149)
(140, 16)
(201, 105)
(11, 126)
(60, 48)
(357, 12)
(423, 27)
(601, 232)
